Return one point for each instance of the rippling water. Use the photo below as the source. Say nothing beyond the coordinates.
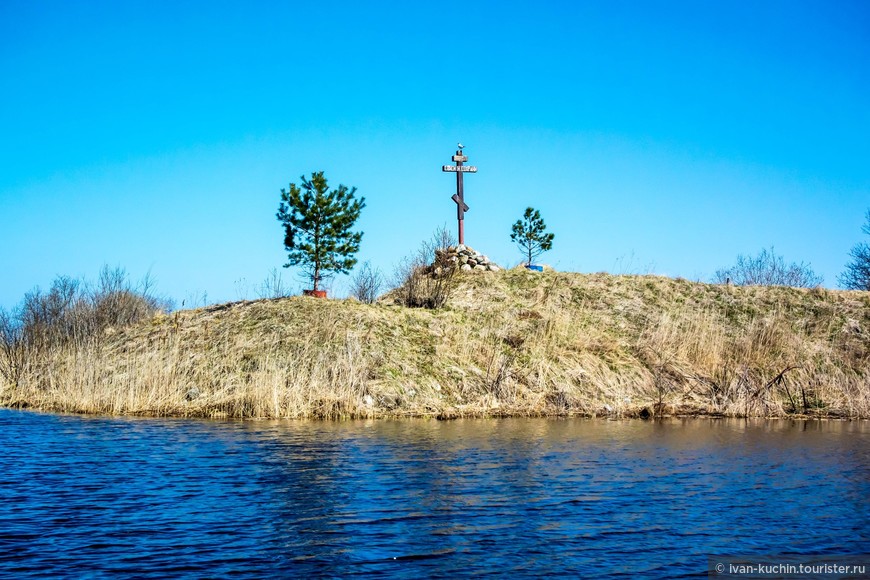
(172, 498)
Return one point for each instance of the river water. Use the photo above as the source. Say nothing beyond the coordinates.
(156, 498)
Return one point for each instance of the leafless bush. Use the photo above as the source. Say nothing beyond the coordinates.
(70, 313)
(11, 364)
(768, 269)
(114, 301)
(367, 283)
(424, 279)
(274, 286)
(48, 318)
(857, 273)
(441, 240)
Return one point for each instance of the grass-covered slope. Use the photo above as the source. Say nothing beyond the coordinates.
(508, 343)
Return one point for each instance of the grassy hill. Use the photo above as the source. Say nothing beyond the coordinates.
(507, 343)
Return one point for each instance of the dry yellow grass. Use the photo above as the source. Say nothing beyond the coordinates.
(508, 343)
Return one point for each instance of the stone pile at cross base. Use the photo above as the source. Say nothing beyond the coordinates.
(466, 257)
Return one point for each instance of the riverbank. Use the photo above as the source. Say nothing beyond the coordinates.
(508, 343)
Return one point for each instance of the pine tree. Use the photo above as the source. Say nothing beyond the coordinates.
(528, 234)
(317, 227)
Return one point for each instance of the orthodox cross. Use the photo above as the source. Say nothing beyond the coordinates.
(459, 196)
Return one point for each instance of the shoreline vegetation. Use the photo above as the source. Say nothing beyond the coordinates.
(506, 343)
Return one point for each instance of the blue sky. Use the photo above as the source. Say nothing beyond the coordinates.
(662, 137)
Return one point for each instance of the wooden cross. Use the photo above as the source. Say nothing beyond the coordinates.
(459, 196)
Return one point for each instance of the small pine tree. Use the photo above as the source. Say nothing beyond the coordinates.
(528, 234)
(857, 274)
(317, 227)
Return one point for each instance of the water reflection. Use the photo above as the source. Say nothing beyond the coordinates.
(192, 498)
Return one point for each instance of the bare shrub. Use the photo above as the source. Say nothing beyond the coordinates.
(441, 239)
(768, 269)
(367, 283)
(274, 286)
(71, 314)
(424, 279)
(857, 273)
(11, 365)
(428, 286)
(114, 301)
(47, 318)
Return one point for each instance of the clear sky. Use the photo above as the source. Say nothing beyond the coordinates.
(662, 137)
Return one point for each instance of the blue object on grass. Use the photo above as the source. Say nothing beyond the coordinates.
(535, 267)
